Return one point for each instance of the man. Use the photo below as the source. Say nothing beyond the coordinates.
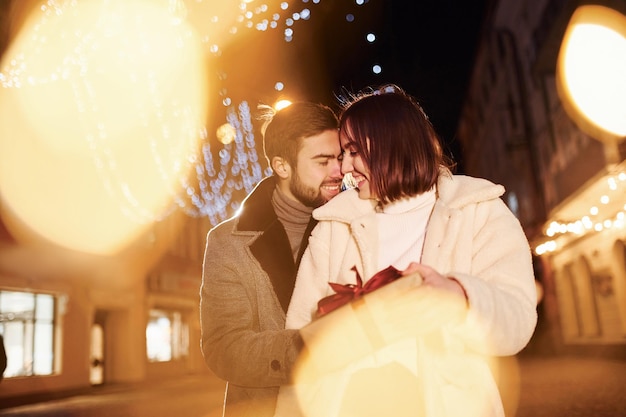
(251, 260)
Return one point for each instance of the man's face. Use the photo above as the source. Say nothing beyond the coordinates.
(317, 176)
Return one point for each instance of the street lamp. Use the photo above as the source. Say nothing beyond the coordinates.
(591, 70)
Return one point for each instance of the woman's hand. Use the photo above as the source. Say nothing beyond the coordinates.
(434, 279)
(424, 304)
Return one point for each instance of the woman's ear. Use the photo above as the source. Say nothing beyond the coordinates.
(281, 167)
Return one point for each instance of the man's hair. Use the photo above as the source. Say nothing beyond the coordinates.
(404, 155)
(284, 129)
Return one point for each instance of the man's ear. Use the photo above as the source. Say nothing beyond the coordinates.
(281, 167)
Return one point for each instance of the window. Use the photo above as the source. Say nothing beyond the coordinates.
(513, 203)
(27, 326)
(167, 337)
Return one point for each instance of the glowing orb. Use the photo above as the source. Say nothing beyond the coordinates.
(226, 133)
(101, 107)
(281, 104)
(590, 71)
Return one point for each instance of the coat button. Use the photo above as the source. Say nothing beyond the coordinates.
(275, 365)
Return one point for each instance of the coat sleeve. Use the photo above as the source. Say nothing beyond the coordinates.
(236, 346)
(500, 285)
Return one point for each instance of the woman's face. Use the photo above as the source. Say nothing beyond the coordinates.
(352, 163)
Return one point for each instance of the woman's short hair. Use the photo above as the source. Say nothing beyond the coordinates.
(396, 141)
(284, 129)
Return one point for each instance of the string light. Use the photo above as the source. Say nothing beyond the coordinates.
(561, 233)
(239, 171)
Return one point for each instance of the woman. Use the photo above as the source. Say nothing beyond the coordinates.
(476, 294)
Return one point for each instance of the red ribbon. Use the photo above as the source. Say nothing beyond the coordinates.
(345, 293)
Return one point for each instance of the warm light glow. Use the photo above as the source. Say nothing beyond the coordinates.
(100, 114)
(590, 71)
(546, 247)
(281, 104)
(370, 360)
(226, 133)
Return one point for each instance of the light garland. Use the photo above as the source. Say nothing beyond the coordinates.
(239, 170)
(561, 233)
(269, 15)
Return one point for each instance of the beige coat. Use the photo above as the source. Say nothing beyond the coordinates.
(247, 281)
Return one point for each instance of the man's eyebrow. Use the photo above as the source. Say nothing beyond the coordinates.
(323, 155)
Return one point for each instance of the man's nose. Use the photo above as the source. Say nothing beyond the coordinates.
(336, 168)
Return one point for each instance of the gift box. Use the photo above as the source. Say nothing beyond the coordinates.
(389, 345)
(350, 324)
(346, 293)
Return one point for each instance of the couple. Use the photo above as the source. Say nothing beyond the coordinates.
(407, 211)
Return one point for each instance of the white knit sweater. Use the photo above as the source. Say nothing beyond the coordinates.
(396, 246)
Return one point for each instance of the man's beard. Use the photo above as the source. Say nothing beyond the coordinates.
(309, 196)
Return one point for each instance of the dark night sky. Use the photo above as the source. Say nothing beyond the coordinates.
(425, 46)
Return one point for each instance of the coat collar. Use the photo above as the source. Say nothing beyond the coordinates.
(458, 191)
(345, 207)
(453, 191)
(257, 213)
(271, 247)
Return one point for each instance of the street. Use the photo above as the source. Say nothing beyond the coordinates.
(572, 387)
(550, 386)
(189, 396)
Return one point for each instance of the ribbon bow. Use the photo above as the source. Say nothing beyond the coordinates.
(345, 293)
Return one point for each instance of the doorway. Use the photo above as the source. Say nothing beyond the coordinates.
(97, 349)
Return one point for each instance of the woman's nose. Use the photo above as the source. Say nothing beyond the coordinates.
(346, 166)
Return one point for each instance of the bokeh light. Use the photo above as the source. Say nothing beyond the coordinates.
(395, 351)
(281, 104)
(101, 108)
(226, 133)
(591, 68)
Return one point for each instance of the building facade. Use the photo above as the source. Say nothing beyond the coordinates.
(71, 321)
(567, 188)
